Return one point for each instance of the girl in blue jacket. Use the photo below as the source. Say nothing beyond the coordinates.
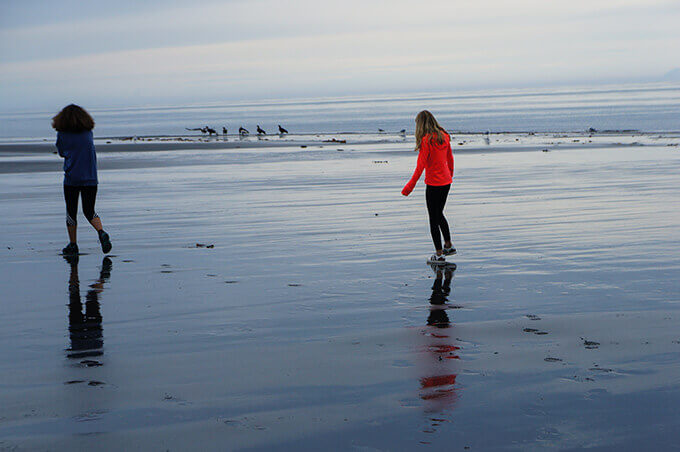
(75, 144)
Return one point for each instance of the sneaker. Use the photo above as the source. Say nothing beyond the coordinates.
(70, 249)
(438, 260)
(72, 259)
(449, 251)
(104, 240)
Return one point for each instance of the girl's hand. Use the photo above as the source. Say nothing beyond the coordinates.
(406, 190)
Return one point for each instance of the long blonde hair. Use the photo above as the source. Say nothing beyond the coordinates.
(427, 124)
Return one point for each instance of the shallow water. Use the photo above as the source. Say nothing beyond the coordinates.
(640, 106)
(314, 318)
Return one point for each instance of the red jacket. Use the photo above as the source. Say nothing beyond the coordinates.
(437, 161)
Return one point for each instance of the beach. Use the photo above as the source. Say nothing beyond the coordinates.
(273, 294)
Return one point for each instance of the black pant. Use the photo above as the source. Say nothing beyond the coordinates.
(436, 199)
(88, 194)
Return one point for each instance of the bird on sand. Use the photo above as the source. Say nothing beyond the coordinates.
(282, 130)
(210, 130)
(381, 130)
(224, 130)
(243, 131)
(260, 131)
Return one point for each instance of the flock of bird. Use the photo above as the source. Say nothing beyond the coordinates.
(241, 130)
(260, 131)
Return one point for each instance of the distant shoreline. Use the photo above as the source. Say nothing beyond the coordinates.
(147, 146)
(188, 142)
(40, 156)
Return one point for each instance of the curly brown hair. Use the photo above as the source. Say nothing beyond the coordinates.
(73, 118)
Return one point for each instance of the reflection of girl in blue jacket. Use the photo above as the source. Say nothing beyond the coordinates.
(75, 144)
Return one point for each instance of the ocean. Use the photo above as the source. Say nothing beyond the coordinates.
(272, 292)
(651, 107)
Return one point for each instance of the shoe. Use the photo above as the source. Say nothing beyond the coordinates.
(106, 268)
(72, 259)
(70, 249)
(104, 240)
(449, 251)
(438, 260)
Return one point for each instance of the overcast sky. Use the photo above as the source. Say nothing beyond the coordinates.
(116, 53)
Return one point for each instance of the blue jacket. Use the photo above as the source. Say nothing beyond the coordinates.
(80, 159)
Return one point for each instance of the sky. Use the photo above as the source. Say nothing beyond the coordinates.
(130, 53)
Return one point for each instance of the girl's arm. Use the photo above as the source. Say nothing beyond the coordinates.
(420, 166)
(449, 159)
(61, 154)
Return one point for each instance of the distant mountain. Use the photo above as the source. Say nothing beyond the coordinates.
(672, 75)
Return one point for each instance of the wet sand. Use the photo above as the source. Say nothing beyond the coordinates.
(314, 318)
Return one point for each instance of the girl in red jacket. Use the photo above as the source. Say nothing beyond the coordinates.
(435, 157)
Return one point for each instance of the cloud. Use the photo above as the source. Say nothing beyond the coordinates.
(269, 48)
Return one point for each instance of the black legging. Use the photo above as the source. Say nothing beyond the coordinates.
(436, 199)
(88, 194)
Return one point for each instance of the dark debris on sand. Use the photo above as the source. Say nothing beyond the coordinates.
(535, 331)
(90, 363)
(590, 344)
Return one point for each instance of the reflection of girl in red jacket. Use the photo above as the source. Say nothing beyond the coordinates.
(437, 388)
(436, 159)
